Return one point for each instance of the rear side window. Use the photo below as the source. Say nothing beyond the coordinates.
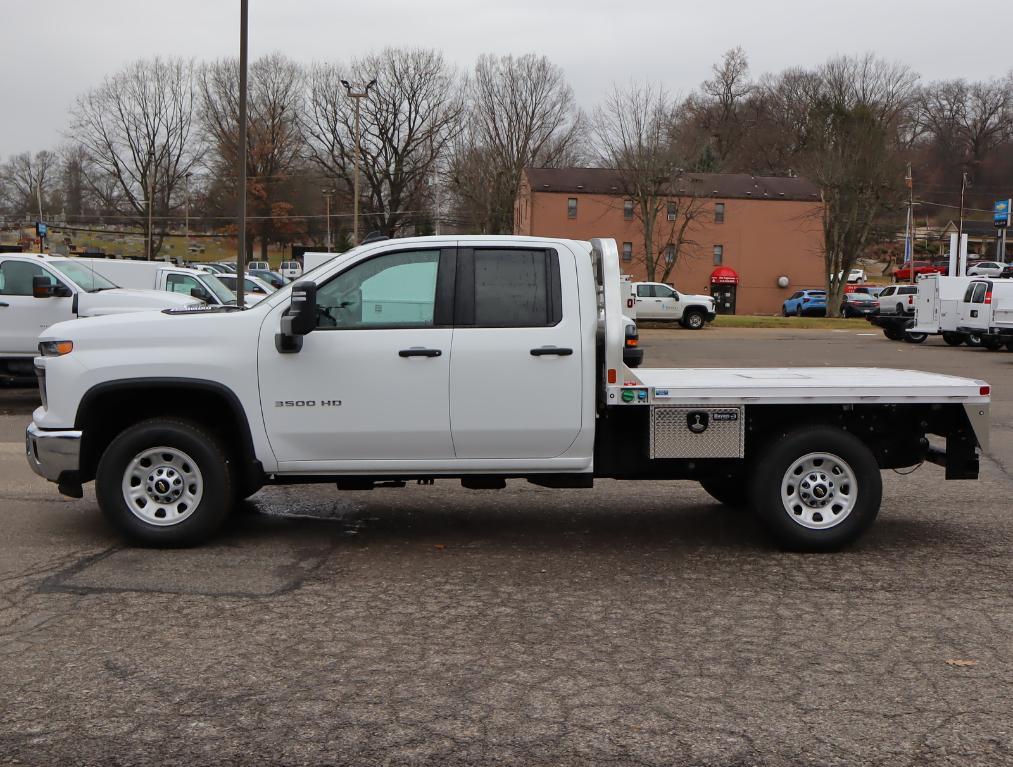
(512, 288)
(907, 291)
(978, 296)
(645, 291)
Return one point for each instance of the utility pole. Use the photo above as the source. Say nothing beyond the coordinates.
(328, 193)
(186, 212)
(244, 12)
(357, 96)
(963, 189)
(38, 228)
(151, 200)
(909, 228)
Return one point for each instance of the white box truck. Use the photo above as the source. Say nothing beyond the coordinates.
(509, 366)
(937, 309)
(987, 308)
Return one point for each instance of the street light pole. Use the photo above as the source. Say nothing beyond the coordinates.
(151, 200)
(186, 213)
(244, 12)
(328, 193)
(356, 96)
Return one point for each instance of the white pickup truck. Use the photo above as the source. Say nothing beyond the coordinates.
(161, 275)
(475, 358)
(37, 291)
(658, 301)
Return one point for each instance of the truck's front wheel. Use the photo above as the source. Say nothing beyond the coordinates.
(694, 320)
(817, 488)
(165, 482)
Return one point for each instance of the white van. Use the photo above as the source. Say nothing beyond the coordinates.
(937, 308)
(987, 308)
(291, 270)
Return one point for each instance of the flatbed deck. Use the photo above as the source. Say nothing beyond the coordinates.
(733, 386)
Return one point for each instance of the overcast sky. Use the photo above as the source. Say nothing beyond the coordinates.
(56, 49)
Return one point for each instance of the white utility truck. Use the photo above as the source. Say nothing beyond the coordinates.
(161, 275)
(37, 291)
(477, 358)
(987, 308)
(658, 301)
(937, 309)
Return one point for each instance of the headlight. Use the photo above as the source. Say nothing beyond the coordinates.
(55, 348)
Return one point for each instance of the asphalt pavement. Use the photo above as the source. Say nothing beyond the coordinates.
(631, 624)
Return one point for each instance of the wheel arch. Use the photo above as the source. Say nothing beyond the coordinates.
(108, 408)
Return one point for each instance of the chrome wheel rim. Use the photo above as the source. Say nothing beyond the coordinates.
(695, 321)
(819, 491)
(162, 486)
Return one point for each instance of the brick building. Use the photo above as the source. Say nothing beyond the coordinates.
(748, 233)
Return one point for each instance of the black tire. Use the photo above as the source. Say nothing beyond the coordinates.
(915, 338)
(1009, 346)
(893, 333)
(953, 339)
(729, 489)
(195, 445)
(992, 343)
(694, 320)
(973, 340)
(798, 310)
(773, 467)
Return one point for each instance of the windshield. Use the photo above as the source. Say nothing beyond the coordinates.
(217, 287)
(85, 278)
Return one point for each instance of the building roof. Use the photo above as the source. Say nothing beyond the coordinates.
(973, 228)
(728, 185)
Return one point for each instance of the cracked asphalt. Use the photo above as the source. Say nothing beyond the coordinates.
(631, 624)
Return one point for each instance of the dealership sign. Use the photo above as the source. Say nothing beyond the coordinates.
(1000, 213)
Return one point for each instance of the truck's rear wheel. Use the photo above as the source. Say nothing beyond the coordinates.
(817, 488)
(894, 334)
(915, 338)
(953, 339)
(165, 482)
(693, 320)
(992, 343)
(973, 340)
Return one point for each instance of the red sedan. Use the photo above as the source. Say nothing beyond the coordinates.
(908, 272)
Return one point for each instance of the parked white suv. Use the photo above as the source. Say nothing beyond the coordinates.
(658, 301)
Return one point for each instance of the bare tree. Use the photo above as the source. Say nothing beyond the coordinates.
(274, 141)
(965, 120)
(632, 135)
(719, 112)
(521, 112)
(412, 113)
(27, 179)
(136, 130)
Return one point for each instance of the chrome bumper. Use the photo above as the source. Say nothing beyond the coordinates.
(53, 454)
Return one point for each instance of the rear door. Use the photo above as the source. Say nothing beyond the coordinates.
(648, 305)
(22, 316)
(973, 313)
(516, 360)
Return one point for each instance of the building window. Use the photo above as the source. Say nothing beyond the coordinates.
(719, 213)
(571, 207)
(673, 211)
(628, 210)
(669, 254)
(627, 251)
(719, 254)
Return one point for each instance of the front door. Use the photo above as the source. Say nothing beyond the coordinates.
(724, 298)
(371, 382)
(515, 371)
(23, 317)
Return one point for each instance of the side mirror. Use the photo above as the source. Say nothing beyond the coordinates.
(42, 287)
(299, 319)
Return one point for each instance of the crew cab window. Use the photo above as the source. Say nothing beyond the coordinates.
(516, 288)
(395, 290)
(978, 296)
(16, 277)
(645, 291)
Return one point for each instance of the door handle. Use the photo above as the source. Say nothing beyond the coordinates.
(419, 352)
(543, 351)
(4, 304)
